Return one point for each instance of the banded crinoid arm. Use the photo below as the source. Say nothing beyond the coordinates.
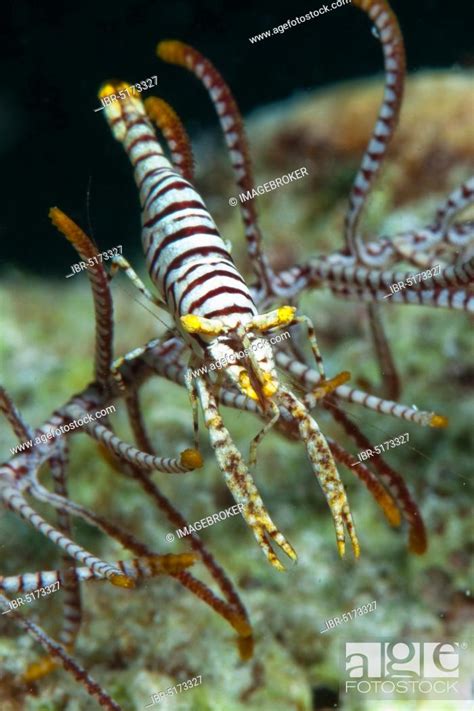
(174, 133)
(58, 652)
(457, 201)
(445, 290)
(385, 21)
(423, 247)
(310, 379)
(72, 606)
(20, 474)
(128, 540)
(136, 569)
(230, 119)
(21, 429)
(456, 299)
(14, 500)
(231, 607)
(390, 386)
(188, 460)
(100, 291)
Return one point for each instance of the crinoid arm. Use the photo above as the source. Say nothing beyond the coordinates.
(58, 652)
(100, 291)
(174, 133)
(232, 126)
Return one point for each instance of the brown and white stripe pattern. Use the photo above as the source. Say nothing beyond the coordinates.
(16, 502)
(230, 119)
(460, 198)
(455, 299)
(391, 39)
(174, 134)
(100, 292)
(355, 277)
(18, 425)
(131, 454)
(186, 257)
(370, 285)
(310, 378)
(72, 604)
(134, 568)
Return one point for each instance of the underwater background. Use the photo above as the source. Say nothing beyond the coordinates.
(309, 98)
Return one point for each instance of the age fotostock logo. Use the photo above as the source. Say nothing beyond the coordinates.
(428, 670)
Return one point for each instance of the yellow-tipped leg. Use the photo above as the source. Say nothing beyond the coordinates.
(347, 516)
(356, 549)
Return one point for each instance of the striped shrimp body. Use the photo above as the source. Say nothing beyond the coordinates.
(201, 288)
